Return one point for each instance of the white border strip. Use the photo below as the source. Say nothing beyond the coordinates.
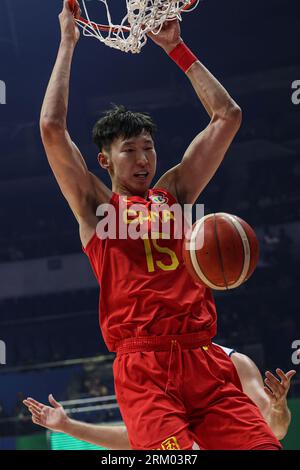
(193, 257)
(246, 246)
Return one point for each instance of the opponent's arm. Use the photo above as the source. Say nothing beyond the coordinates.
(271, 401)
(206, 152)
(81, 189)
(55, 418)
(277, 390)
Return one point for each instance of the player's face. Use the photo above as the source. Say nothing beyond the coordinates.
(133, 163)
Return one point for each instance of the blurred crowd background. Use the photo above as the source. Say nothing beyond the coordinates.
(48, 295)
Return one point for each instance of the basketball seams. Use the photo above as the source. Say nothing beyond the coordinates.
(246, 246)
(219, 251)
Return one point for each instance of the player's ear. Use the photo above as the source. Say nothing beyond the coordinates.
(103, 160)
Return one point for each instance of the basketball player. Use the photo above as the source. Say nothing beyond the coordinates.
(152, 314)
(271, 399)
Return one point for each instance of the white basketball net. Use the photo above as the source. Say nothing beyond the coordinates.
(142, 16)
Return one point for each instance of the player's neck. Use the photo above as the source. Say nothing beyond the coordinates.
(123, 191)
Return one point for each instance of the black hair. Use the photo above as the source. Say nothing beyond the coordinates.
(120, 122)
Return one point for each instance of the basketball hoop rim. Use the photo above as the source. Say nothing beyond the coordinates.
(99, 26)
(106, 28)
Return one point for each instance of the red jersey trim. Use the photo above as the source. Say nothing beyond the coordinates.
(112, 200)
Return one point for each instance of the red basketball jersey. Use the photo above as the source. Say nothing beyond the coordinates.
(144, 286)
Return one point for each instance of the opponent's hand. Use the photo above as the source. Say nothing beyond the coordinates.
(277, 389)
(51, 417)
(168, 37)
(69, 29)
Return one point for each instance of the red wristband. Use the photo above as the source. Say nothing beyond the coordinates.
(183, 56)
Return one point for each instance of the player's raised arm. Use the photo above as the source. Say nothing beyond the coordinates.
(55, 418)
(82, 189)
(270, 399)
(207, 150)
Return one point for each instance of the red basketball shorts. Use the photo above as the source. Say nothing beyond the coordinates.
(177, 391)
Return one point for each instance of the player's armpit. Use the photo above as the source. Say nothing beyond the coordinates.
(82, 189)
(167, 182)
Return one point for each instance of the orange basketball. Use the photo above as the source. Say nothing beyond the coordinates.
(221, 251)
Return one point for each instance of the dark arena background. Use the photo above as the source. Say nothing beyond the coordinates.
(49, 333)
